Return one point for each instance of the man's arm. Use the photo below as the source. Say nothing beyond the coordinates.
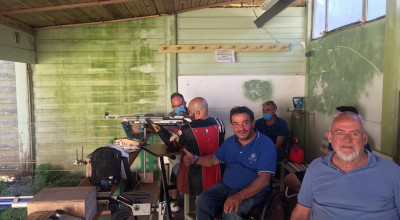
(279, 142)
(300, 212)
(232, 202)
(207, 161)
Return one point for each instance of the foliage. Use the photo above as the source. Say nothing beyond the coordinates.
(7, 213)
(46, 176)
(3, 186)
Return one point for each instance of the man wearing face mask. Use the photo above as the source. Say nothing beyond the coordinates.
(202, 136)
(178, 105)
(273, 127)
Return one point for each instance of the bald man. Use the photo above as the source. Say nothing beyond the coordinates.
(202, 136)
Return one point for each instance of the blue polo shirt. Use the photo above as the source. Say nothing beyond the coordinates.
(369, 192)
(278, 128)
(243, 163)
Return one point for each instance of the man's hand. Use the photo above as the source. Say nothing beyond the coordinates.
(232, 203)
(188, 158)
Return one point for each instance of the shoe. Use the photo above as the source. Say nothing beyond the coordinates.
(174, 206)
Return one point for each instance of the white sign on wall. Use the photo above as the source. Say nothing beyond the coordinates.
(224, 55)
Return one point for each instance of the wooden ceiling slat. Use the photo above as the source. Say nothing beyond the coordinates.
(59, 7)
(169, 6)
(34, 20)
(186, 4)
(9, 5)
(203, 2)
(141, 8)
(195, 3)
(40, 14)
(151, 7)
(132, 9)
(160, 6)
(178, 5)
(98, 13)
(118, 11)
(14, 24)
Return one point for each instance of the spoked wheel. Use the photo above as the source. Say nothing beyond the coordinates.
(277, 208)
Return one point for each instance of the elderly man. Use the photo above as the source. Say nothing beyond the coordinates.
(273, 127)
(250, 159)
(350, 183)
(202, 136)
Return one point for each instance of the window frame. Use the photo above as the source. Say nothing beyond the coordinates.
(363, 20)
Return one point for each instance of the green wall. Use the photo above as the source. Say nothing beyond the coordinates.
(391, 81)
(342, 66)
(10, 50)
(345, 68)
(85, 71)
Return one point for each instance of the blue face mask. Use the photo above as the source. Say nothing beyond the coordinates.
(179, 110)
(267, 116)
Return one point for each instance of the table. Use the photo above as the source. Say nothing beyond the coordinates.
(160, 150)
(114, 188)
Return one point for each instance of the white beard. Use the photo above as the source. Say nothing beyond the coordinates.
(348, 158)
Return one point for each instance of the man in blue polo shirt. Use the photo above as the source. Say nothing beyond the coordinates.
(273, 127)
(250, 159)
(350, 183)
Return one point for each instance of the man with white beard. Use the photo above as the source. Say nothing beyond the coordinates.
(350, 183)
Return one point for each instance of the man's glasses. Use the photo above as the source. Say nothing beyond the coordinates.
(342, 134)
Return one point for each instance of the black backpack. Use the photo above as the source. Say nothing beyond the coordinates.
(106, 165)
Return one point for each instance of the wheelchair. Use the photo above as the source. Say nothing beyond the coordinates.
(274, 207)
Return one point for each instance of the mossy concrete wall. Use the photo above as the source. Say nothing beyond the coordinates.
(85, 71)
(391, 82)
(346, 68)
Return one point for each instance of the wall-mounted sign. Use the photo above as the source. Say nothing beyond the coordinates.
(224, 55)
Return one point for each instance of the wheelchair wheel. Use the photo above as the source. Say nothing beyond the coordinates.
(277, 208)
(122, 214)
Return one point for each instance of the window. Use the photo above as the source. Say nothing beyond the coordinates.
(376, 9)
(329, 15)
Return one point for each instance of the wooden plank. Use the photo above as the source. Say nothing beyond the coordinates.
(141, 6)
(178, 5)
(210, 48)
(186, 4)
(195, 3)
(118, 11)
(169, 6)
(132, 9)
(15, 24)
(151, 7)
(160, 7)
(60, 7)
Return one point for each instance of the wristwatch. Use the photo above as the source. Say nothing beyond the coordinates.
(195, 161)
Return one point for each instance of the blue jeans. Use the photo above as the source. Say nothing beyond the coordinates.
(211, 202)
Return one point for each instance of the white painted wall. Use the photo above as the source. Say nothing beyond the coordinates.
(223, 93)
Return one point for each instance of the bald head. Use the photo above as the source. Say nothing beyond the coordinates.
(198, 108)
(348, 116)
